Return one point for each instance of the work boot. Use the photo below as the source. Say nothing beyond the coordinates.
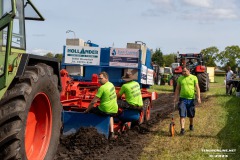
(191, 128)
(182, 131)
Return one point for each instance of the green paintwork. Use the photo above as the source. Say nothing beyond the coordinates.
(13, 39)
(166, 78)
(14, 60)
(167, 75)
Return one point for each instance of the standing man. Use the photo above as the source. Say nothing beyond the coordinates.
(186, 85)
(108, 101)
(131, 90)
(229, 83)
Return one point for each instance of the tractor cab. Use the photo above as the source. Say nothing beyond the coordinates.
(29, 94)
(13, 37)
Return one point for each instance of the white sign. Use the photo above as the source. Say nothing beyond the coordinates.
(150, 77)
(144, 75)
(82, 55)
(124, 57)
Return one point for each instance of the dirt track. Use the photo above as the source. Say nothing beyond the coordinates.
(88, 144)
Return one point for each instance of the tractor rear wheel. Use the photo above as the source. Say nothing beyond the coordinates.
(203, 81)
(30, 116)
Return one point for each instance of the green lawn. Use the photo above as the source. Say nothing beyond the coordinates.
(216, 134)
(161, 89)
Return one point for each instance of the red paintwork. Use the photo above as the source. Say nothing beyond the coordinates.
(39, 127)
(148, 114)
(200, 69)
(178, 70)
(77, 95)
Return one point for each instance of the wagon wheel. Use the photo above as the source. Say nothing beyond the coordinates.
(147, 109)
(126, 127)
(141, 118)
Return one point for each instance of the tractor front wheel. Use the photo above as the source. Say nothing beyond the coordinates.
(30, 119)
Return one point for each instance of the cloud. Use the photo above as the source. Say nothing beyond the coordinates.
(163, 4)
(197, 10)
(210, 15)
(224, 13)
(166, 2)
(39, 52)
(160, 7)
(199, 3)
(151, 13)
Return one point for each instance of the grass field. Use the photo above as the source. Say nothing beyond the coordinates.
(216, 132)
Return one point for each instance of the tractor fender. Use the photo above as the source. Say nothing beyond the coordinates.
(200, 69)
(31, 60)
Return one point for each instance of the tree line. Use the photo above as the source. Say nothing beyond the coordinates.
(51, 55)
(230, 56)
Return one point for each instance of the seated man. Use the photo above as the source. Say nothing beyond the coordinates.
(131, 90)
(108, 101)
(234, 83)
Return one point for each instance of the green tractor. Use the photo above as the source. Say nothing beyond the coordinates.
(166, 76)
(30, 108)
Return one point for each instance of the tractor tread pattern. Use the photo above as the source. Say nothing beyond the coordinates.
(203, 81)
(13, 110)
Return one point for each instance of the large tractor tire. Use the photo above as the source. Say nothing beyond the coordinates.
(30, 116)
(203, 81)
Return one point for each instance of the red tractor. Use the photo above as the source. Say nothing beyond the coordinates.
(196, 65)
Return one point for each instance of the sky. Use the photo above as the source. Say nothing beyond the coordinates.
(187, 26)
